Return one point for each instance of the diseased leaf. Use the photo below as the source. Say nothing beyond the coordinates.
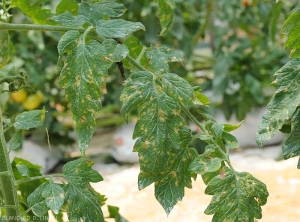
(115, 51)
(177, 88)
(30, 119)
(160, 57)
(79, 172)
(165, 14)
(138, 90)
(204, 164)
(34, 10)
(83, 77)
(16, 141)
(283, 103)
(236, 196)
(217, 129)
(84, 202)
(37, 202)
(291, 29)
(117, 28)
(201, 99)
(170, 188)
(54, 196)
(67, 6)
(6, 48)
(291, 147)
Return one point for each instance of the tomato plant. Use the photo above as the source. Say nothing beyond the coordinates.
(93, 37)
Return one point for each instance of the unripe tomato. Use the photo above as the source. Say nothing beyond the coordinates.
(32, 102)
(19, 96)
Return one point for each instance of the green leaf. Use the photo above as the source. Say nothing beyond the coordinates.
(109, 9)
(165, 14)
(83, 202)
(290, 28)
(230, 141)
(36, 201)
(6, 48)
(229, 127)
(23, 170)
(137, 90)
(30, 119)
(114, 213)
(236, 196)
(67, 19)
(16, 141)
(217, 129)
(54, 196)
(83, 77)
(117, 28)
(159, 57)
(67, 6)
(33, 9)
(79, 172)
(204, 164)
(283, 103)
(177, 88)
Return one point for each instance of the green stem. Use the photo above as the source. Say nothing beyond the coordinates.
(7, 180)
(18, 182)
(53, 28)
(8, 206)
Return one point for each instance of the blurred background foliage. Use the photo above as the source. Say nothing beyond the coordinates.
(231, 49)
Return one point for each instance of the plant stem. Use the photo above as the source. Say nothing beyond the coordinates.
(7, 181)
(18, 182)
(225, 155)
(53, 28)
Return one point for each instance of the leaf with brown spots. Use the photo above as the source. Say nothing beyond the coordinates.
(83, 76)
(236, 197)
(284, 102)
(159, 57)
(165, 14)
(83, 203)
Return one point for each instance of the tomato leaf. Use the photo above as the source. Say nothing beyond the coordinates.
(6, 48)
(54, 196)
(84, 202)
(83, 76)
(236, 196)
(283, 103)
(37, 202)
(177, 88)
(33, 9)
(16, 141)
(67, 19)
(117, 28)
(67, 6)
(162, 138)
(160, 57)
(290, 28)
(114, 213)
(165, 14)
(23, 170)
(30, 119)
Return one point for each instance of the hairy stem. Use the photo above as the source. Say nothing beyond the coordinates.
(7, 180)
(18, 182)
